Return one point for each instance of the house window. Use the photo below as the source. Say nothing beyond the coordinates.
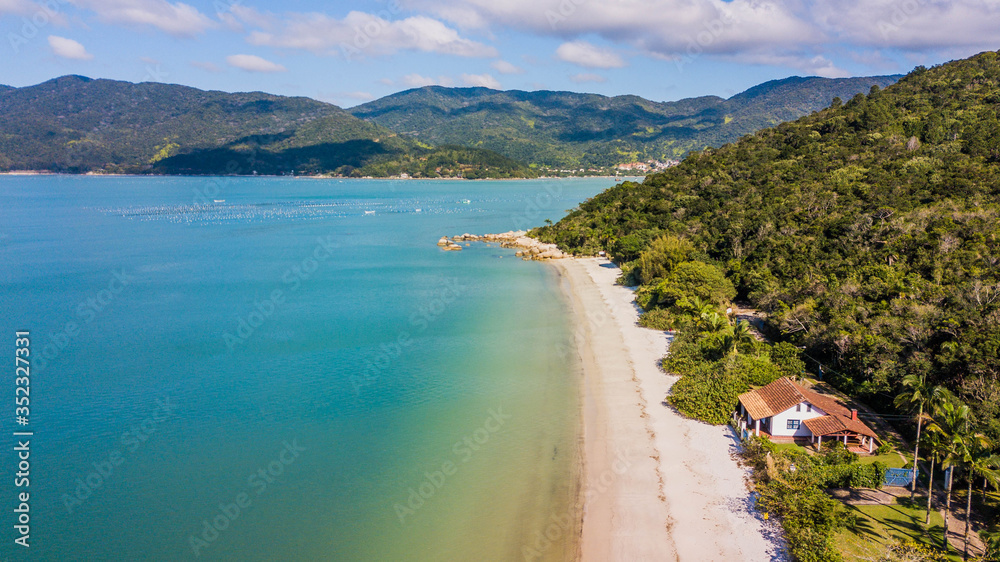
(809, 407)
(792, 424)
(798, 407)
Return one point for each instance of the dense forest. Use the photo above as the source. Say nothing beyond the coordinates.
(569, 129)
(869, 234)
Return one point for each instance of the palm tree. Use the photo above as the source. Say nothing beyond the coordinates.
(951, 421)
(934, 445)
(917, 394)
(978, 462)
(738, 334)
(696, 308)
(713, 322)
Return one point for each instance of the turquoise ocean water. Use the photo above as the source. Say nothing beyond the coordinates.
(294, 372)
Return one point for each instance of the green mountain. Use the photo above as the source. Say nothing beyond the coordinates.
(561, 129)
(869, 233)
(75, 124)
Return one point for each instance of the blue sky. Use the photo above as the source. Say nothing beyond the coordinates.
(350, 52)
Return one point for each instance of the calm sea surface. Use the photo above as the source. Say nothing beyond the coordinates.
(293, 372)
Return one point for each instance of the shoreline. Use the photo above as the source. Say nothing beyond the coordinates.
(307, 177)
(654, 485)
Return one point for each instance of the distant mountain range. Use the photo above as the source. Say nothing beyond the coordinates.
(561, 129)
(76, 124)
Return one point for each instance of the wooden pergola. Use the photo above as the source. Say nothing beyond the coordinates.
(841, 428)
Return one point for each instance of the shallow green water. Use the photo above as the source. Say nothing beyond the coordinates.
(298, 367)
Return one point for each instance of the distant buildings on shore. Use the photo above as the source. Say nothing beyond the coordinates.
(647, 166)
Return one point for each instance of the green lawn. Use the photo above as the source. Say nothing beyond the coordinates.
(789, 447)
(890, 460)
(878, 525)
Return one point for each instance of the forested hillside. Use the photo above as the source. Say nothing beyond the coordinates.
(75, 124)
(868, 232)
(560, 129)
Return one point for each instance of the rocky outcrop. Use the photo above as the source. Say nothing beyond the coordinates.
(528, 248)
(448, 245)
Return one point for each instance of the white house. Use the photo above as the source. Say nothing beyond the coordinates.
(784, 410)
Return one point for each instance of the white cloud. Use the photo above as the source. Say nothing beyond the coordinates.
(40, 12)
(821, 66)
(206, 66)
(504, 67)
(914, 25)
(68, 48)
(15, 7)
(253, 63)
(587, 77)
(178, 19)
(21, 7)
(588, 55)
(418, 81)
(481, 80)
(237, 14)
(361, 34)
(675, 29)
(816, 65)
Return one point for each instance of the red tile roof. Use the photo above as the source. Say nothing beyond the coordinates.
(826, 425)
(772, 399)
(783, 394)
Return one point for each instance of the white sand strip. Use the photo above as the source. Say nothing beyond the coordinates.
(657, 486)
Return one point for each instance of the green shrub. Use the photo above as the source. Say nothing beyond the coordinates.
(661, 257)
(694, 279)
(645, 297)
(755, 371)
(809, 517)
(787, 357)
(628, 247)
(836, 453)
(657, 319)
(707, 396)
(685, 358)
(854, 475)
(628, 276)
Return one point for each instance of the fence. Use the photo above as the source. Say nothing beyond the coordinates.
(898, 476)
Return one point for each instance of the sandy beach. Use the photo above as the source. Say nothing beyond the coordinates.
(656, 486)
